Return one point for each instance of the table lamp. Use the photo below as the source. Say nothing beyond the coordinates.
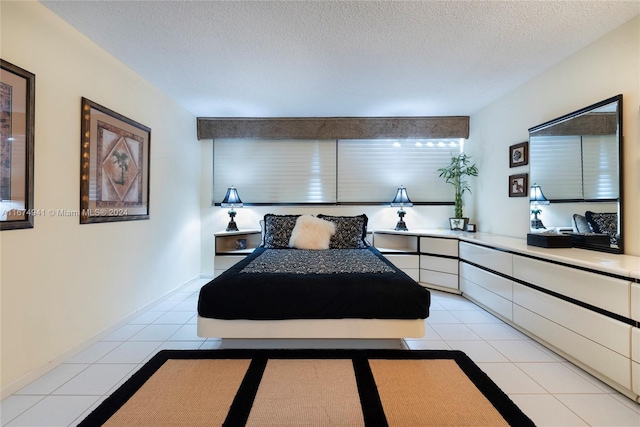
(536, 199)
(401, 200)
(231, 200)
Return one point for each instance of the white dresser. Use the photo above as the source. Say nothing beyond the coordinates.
(585, 305)
(431, 260)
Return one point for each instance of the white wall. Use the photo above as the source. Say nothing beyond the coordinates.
(64, 283)
(608, 67)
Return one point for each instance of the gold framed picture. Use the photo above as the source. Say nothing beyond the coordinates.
(114, 167)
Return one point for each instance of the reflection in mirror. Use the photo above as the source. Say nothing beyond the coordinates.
(575, 160)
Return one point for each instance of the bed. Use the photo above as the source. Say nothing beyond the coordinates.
(301, 283)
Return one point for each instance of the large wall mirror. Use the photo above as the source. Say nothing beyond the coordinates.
(576, 175)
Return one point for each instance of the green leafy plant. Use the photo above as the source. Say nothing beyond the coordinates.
(455, 174)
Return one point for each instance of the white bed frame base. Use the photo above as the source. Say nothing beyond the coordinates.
(311, 328)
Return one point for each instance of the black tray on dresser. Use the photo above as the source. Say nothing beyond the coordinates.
(589, 239)
(548, 240)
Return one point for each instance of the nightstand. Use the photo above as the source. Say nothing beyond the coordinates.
(233, 246)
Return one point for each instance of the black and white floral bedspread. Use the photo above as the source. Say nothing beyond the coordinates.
(302, 261)
(319, 285)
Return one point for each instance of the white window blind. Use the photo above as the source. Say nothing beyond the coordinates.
(556, 166)
(600, 164)
(575, 167)
(344, 171)
(372, 170)
(268, 171)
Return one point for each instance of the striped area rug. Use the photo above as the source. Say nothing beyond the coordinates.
(308, 388)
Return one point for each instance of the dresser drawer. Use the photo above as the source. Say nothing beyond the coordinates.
(447, 280)
(444, 265)
(635, 344)
(596, 327)
(635, 302)
(439, 246)
(404, 261)
(486, 298)
(598, 357)
(414, 273)
(487, 257)
(635, 364)
(598, 290)
(489, 281)
(635, 369)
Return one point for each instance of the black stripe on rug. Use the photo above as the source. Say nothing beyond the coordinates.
(241, 406)
(373, 412)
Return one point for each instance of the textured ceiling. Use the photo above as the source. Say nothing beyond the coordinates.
(341, 58)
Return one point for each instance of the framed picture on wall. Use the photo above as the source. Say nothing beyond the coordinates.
(114, 167)
(518, 185)
(519, 154)
(17, 111)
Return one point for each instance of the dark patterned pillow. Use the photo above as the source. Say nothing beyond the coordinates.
(277, 230)
(581, 224)
(604, 223)
(351, 231)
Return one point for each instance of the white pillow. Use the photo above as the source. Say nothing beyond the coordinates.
(311, 233)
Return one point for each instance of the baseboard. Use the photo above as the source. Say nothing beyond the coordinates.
(33, 375)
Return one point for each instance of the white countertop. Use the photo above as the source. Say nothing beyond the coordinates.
(621, 265)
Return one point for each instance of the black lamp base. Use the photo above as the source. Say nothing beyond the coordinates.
(232, 226)
(401, 226)
(537, 223)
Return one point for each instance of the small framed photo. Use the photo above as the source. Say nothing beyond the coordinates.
(17, 124)
(518, 185)
(241, 244)
(114, 171)
(471, 228)
(519, 154)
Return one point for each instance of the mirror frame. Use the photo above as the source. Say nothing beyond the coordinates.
(620, 138)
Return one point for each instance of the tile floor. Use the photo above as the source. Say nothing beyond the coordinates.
(551, 391)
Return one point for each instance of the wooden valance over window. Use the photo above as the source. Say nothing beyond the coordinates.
(334, 127)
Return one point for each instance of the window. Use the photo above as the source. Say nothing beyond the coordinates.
(269, 171)
(372, 170)
(329, 171)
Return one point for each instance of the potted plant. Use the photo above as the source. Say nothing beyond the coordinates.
(455, 174)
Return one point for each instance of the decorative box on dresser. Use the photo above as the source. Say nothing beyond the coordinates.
(230, 250)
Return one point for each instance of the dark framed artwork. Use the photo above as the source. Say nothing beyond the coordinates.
(17, 125)
(519, 154)
(114, 167)
(518, 185)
